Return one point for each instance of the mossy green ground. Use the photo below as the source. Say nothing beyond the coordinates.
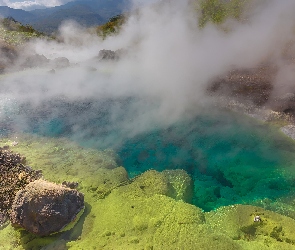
(139, 214)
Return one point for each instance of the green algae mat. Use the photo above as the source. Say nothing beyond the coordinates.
(146, 212)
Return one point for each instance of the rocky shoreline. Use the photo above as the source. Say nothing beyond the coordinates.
(251, 92)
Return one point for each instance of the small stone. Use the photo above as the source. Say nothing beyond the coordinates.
(257, 218)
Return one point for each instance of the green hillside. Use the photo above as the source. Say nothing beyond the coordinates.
(14, 33)
(209, 11)
(111, 27)
(217, 11)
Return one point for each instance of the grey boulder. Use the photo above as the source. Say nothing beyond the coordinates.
(44, 208)
(108, 55)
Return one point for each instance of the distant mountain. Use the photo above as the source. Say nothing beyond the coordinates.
(16, 14)
(80, 13)
(85, 12)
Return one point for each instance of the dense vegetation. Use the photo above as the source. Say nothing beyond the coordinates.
(217, 11)
(111, 27)
(209, 11)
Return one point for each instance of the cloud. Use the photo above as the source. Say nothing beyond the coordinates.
(30, 5)
(4, 2)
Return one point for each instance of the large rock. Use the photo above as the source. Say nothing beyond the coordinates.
(108, 55)
(43, 207)
(36, 60)
(60, 62)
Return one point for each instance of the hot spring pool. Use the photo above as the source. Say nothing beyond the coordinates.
(230, 157)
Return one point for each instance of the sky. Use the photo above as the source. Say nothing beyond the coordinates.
(40, 4)
(30, 5)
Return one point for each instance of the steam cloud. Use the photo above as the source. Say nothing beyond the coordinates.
(166, 64)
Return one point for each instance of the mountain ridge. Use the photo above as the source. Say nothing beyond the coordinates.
(86, 12)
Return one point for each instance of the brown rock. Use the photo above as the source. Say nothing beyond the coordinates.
(43, 207)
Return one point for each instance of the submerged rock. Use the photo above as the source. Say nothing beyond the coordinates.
(43, 207)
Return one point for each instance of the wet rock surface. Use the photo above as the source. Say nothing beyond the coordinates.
(14, 176)
(43, 207)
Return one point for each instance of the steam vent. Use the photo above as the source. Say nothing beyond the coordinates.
(159, 125)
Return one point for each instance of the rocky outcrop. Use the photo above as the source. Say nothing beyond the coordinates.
(285, 103)
(8, 55)
(60, 62)
(36, 60)
(14, 176)
(43, 207)
(108, 55)
(250, 85)
(254, 86)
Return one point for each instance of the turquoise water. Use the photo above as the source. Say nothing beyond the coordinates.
(231, 158)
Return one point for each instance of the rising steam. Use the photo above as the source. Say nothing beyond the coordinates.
(166, 64)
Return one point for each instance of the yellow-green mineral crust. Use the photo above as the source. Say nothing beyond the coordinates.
(147, 212)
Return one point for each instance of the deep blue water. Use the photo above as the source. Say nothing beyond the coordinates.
(231, 158)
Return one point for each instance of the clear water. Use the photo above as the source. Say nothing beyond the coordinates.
(231, 158)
